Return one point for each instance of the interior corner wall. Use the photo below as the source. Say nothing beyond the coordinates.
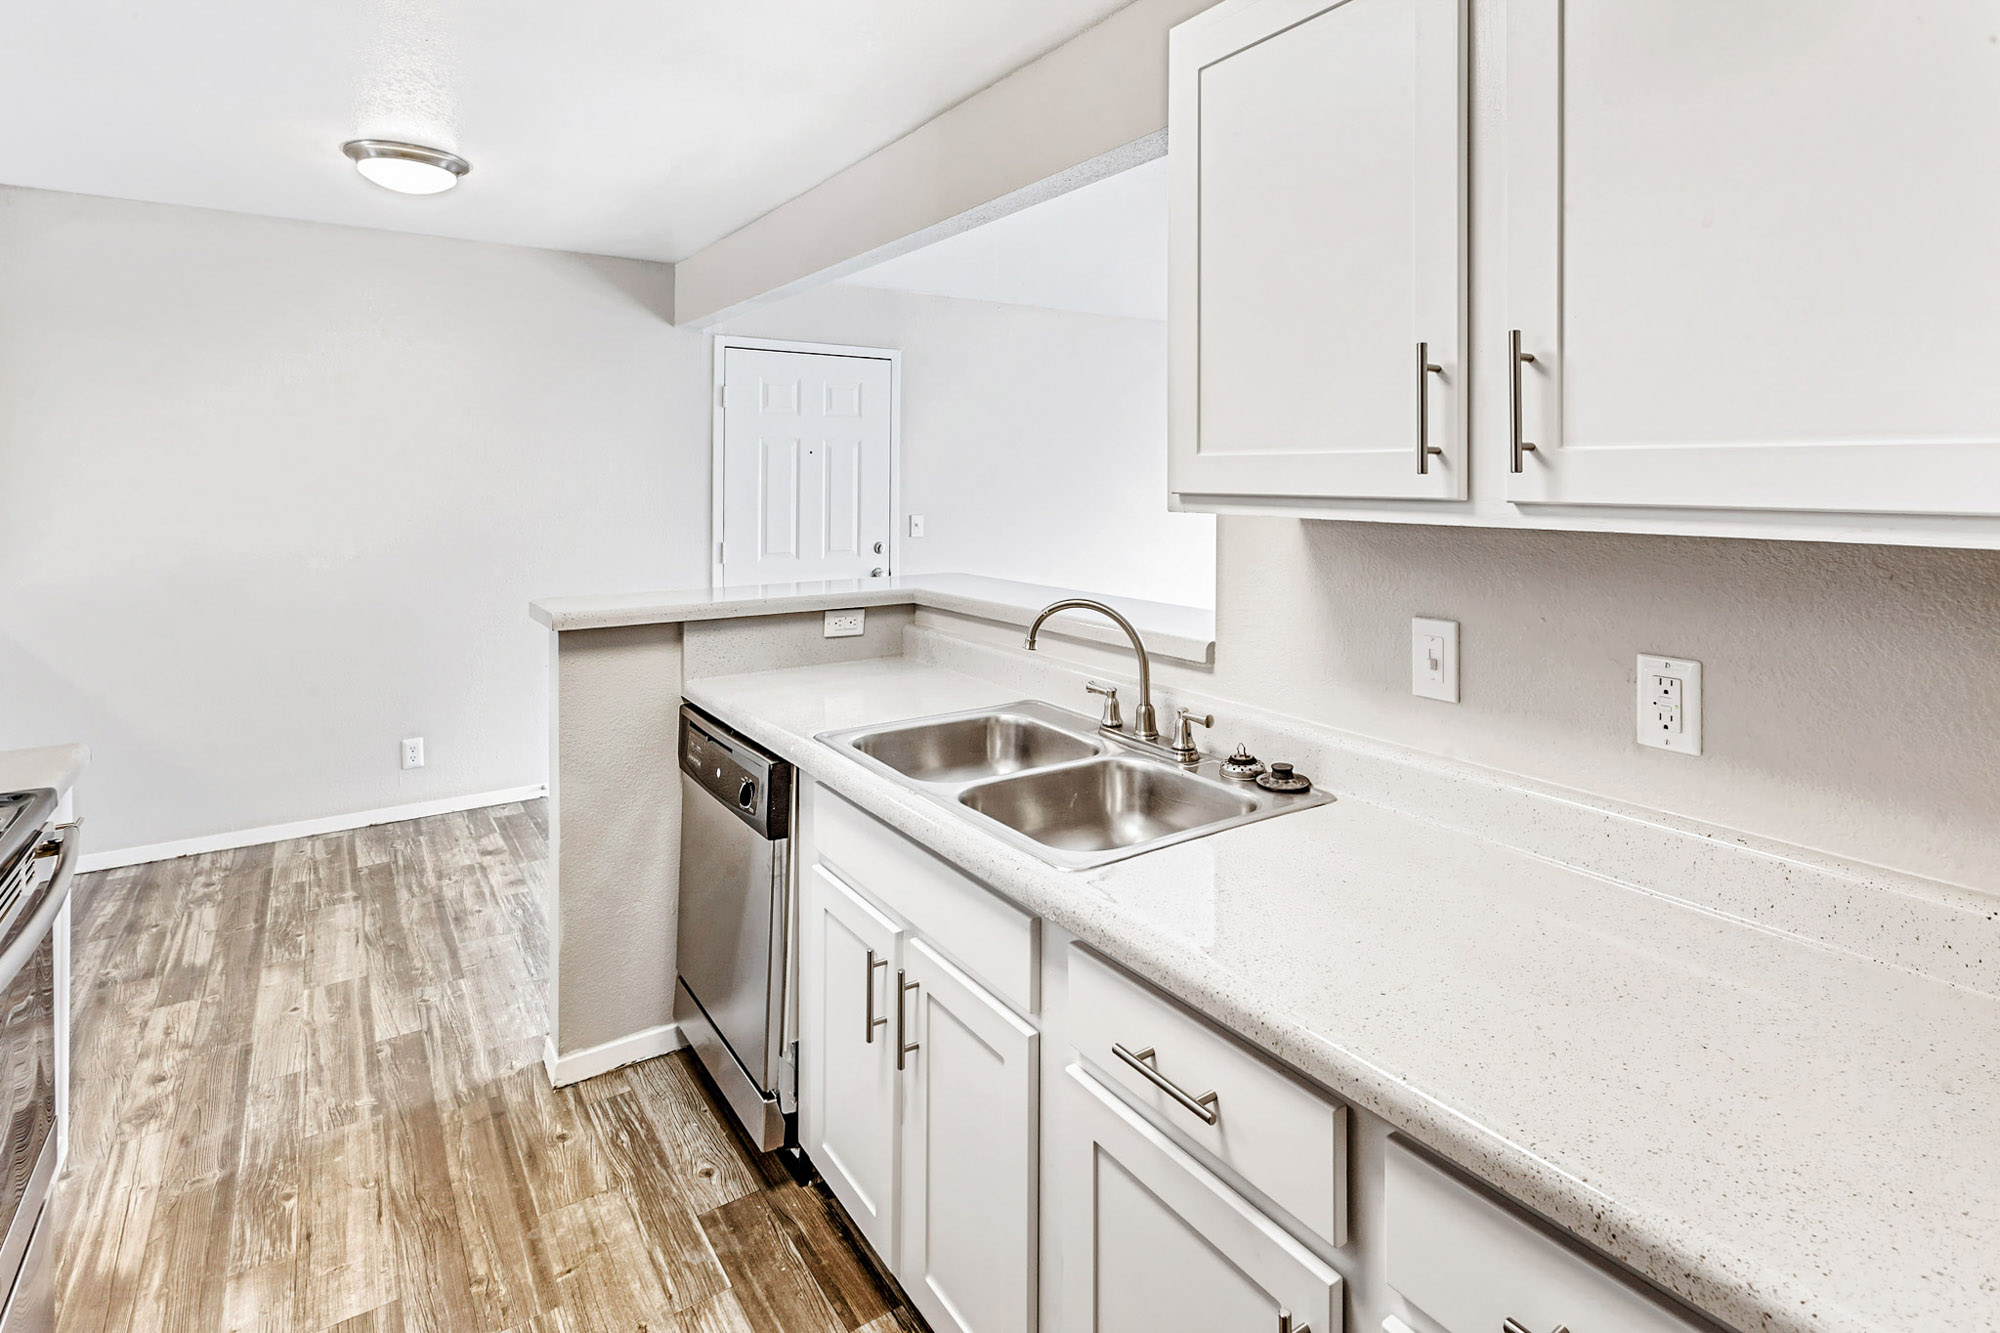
(1033, 440)
(274, 495)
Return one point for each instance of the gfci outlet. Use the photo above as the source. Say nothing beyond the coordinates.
(1670, 704)
(845, 624)
(1434, 659)
(413, 752)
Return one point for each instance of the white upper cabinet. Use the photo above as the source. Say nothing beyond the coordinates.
(1317, 238)
(1751, 248)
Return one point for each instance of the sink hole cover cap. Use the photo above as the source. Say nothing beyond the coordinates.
(1242, 765)
(1282, 778)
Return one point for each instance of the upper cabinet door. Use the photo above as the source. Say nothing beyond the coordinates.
(1317, 237)
(1751, 249)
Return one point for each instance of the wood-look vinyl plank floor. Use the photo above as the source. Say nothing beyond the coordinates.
(308, 1098)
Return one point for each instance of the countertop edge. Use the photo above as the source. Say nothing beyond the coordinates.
(56, 766)
(1768, 1302)
(1166, 628)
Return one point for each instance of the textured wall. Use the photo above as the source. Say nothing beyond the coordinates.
(1851, 694)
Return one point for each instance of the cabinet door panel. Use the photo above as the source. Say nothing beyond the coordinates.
(1155, 1243)
(850, 1114)
(1750, 255)
(1316, 239)
(969, 1165)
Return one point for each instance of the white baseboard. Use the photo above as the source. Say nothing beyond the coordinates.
(594, 1060)
(304, 828)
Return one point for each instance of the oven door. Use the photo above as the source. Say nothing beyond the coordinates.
(28, 1085)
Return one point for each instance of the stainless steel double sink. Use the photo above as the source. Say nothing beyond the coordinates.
(1050, 781)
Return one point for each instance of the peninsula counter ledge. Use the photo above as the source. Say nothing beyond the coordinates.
(616, 665)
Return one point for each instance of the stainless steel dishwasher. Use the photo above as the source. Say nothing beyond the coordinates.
(735, 920)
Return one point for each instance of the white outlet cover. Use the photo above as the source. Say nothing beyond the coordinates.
(1667, 684)
(413, 752)
(845, 624)
(1434, 659)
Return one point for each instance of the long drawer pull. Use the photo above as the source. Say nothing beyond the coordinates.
(1202, 1107)
(903, 1047)
(869, 988)
(1512, 1325)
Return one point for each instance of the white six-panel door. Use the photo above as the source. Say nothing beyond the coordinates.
(806, 467)
(969, 1200)
(1752, 250)
(1317, 237)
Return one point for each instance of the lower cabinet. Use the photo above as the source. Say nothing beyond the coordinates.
(920, 1111)
(850, 1122)
(969, 1198)
(1153, 1242)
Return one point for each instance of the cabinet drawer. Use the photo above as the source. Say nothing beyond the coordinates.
(1284, 1138)
(975, 927)
(1472, 1264)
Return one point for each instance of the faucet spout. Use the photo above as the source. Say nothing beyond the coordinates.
(1145, 724)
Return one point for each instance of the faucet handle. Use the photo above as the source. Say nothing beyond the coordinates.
(1185, 749)
(1113, 719)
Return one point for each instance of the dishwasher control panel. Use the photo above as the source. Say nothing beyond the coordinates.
(753, 783)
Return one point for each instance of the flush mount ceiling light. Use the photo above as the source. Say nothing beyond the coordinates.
(406, 168)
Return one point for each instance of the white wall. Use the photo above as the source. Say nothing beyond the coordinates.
(1034, 441)
(274, 495)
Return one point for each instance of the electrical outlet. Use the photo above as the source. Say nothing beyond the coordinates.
(1434, 659)
(916, 525)
(1670, 704)
(413, 752)
(845, 624)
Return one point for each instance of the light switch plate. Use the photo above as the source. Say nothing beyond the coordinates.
(1434, 659)
(845, 624)
(1669, 715)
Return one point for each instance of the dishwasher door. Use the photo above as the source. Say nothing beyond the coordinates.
(735, 913)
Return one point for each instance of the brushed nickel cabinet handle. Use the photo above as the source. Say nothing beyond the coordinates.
(903, 988)
(868, 987)
(1516, 1326)
(1202, 1107)
(1425, 369)
(1516, 358)
(1285, 1324)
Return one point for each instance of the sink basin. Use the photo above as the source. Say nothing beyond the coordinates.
(968, 748)
(1107, 804)
(1052, 783)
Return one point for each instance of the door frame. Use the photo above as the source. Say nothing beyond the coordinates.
(721, 343)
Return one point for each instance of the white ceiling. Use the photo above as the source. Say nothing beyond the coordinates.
(1101, 249)
(645, 128)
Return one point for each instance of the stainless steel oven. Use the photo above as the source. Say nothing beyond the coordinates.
(37, 862)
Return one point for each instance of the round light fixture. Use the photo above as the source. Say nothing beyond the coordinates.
(406, 168)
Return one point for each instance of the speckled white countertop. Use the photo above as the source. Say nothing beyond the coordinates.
(1787, 1136)
(57, 766)
(1185, 633)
